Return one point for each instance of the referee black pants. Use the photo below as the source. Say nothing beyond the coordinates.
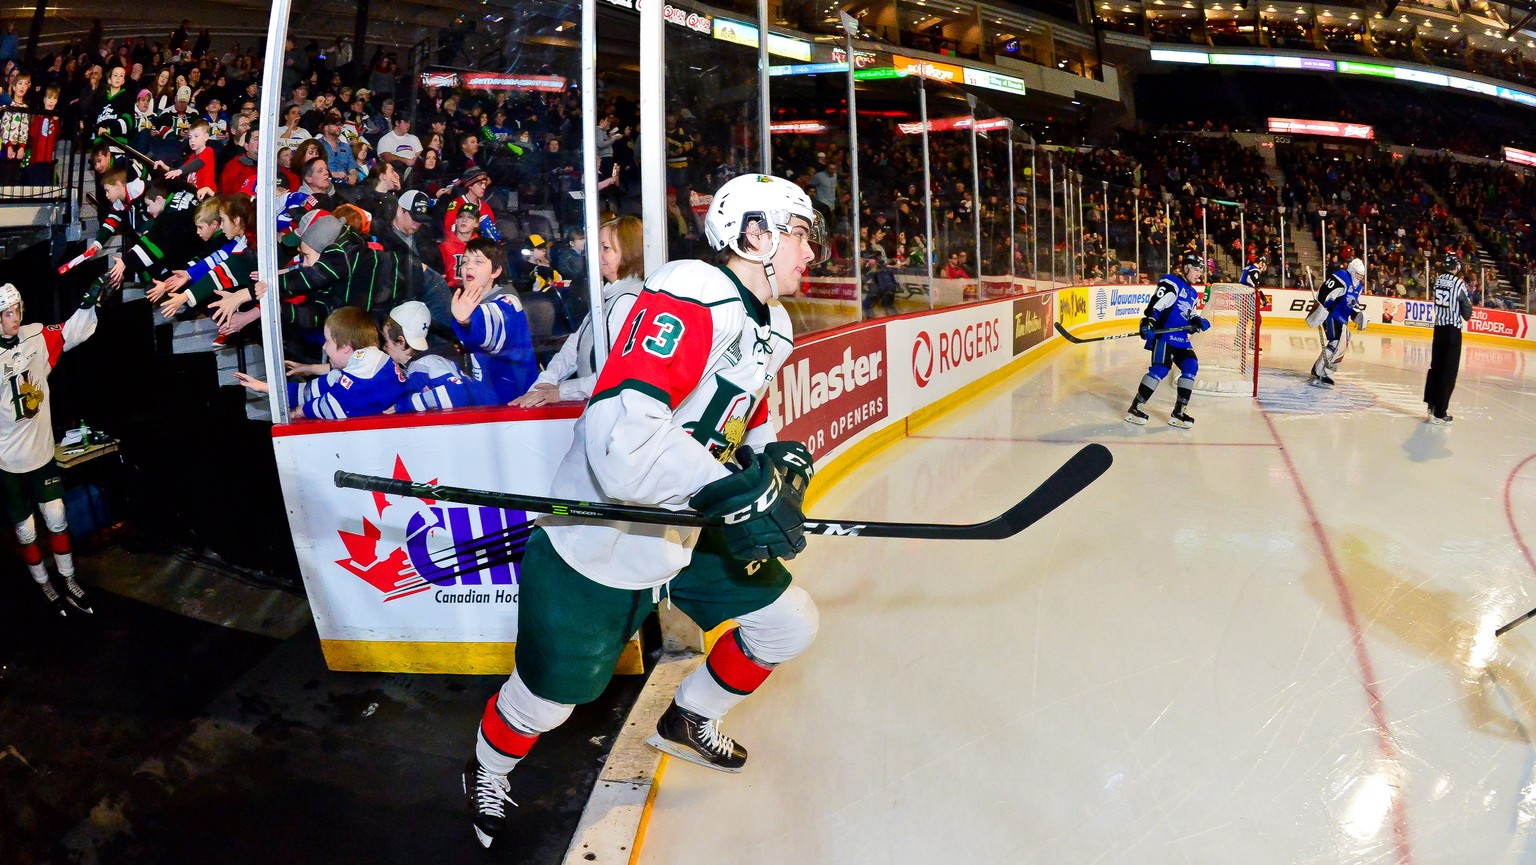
(1444, 364)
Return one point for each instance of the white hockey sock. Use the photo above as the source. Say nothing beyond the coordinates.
(39, 572)
(700, 694)
(512, 723)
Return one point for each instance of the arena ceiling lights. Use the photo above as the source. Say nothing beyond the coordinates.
(1395, 71)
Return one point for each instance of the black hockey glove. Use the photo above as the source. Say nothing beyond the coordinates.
(93, 295)
(794, 465)
(1146, 327)
(759, 521)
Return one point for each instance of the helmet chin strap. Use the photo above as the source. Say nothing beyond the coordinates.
(766, 260)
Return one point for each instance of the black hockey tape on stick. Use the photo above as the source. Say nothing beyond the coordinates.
(1081, 340)
(1073, 477)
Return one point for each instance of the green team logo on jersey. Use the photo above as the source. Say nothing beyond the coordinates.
(723, 423)
(26, 397)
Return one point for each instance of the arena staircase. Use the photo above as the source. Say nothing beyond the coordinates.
(1301, 247)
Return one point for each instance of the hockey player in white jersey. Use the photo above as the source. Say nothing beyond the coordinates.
(677, 419)
(29, 478)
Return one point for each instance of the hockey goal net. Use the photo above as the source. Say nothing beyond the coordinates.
(1229, 351)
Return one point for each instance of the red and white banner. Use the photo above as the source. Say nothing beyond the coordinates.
(832, 389)
(797, 127)
(508, 81)
(944, 124)
(1329, 128)
(1499, 322)
(1519, 157)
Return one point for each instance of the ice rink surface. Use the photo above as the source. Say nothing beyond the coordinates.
(1268, 639)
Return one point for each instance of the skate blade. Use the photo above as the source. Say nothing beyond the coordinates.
(666, 747)
(80, 605)
(1139, 421)
(1181, 424)
(485, 840)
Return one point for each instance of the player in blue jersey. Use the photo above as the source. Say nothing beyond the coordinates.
(1338, 302)
(1171, 309)
(361, 379)
(1253, 271)
(493, 327)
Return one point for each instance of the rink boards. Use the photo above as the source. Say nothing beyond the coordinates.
(844, 393)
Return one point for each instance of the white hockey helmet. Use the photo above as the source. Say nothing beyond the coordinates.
(1357, 268)
(767, 199)
(9, 296)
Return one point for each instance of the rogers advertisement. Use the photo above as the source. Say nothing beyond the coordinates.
(832, 389)
(1499, 322)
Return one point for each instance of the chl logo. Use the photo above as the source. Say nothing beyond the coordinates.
(416, 545)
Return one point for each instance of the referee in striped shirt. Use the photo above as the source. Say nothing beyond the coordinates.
(1453, 306)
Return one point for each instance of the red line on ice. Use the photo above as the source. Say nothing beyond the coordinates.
(1509, 512)
(1387, 744)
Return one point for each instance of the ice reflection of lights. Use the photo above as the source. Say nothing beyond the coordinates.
(1484, 644)
(1368, 807)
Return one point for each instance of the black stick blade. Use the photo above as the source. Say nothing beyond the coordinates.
(1068, 336)
(1073, 477)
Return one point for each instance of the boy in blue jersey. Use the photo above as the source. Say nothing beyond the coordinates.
(361, 379)
(1338, 302)
(432, 381)
(1172, 309)
(494, 330)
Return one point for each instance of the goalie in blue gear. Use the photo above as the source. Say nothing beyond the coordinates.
(1166, 324)
(1338, 303)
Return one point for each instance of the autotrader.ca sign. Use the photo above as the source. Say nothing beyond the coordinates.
(832, 389)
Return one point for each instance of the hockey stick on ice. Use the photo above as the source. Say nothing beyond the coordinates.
(1509, 627)
(1077, 473)
(1081, 340)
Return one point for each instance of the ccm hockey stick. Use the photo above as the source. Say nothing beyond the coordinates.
(1080, 340)
(1077, 473)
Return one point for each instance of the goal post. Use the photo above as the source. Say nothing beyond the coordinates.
(1229, 351)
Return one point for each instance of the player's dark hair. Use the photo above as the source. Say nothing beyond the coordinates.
(488, 248)
(161, 188)
(114, 176)
(352, 326)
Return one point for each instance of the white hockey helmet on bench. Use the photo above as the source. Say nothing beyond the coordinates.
(9, 296)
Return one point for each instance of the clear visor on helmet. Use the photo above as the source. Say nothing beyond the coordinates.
(816, 237)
